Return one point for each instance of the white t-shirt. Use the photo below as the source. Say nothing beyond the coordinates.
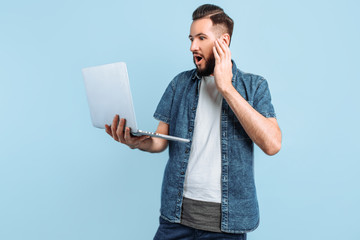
(203, 174)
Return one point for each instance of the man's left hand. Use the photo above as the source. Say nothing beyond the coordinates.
(223, 65)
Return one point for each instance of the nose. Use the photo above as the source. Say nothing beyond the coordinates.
(194, 46)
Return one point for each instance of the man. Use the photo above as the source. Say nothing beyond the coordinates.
(208, 188)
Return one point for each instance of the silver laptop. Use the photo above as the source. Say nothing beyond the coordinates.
(108, 93)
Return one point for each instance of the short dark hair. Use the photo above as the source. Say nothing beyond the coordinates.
(216, 15)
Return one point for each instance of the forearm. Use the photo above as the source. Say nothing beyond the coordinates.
(265, 132)
(153, 145)
(121, 134)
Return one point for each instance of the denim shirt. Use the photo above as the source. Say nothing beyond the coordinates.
(177, 107)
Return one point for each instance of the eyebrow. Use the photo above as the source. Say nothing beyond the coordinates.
(198, 35)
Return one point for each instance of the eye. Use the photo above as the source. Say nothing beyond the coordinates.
(191, 39)
(202, 38)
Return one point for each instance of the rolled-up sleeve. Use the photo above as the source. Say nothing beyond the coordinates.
(163, 110)
(262, 100)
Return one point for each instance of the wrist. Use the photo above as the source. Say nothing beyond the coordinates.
(145, 145)
(226, 89)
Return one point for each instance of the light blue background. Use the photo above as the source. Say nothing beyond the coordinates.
(60, 178)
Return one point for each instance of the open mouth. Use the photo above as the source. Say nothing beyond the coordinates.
(198, 59)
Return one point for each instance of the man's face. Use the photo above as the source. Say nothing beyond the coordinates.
(202, 37)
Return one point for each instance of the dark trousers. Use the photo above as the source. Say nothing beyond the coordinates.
(176, 231)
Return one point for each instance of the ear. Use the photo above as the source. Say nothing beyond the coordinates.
(226, 38)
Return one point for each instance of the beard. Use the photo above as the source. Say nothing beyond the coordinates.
(209, 67)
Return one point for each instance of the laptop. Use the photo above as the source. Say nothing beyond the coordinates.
(108, 93)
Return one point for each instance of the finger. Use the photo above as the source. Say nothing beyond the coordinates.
(217, 57)
(108, 129)
(219, 49)
(120, 130)
(226, 50)
(127, 136)
(223, 46)
(114, 127)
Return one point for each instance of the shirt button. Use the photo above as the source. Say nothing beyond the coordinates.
(190, 130)
(193, 109)
(187, 150)
(179, 194)
(182, 173)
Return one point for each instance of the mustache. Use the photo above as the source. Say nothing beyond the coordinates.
(195, 54)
